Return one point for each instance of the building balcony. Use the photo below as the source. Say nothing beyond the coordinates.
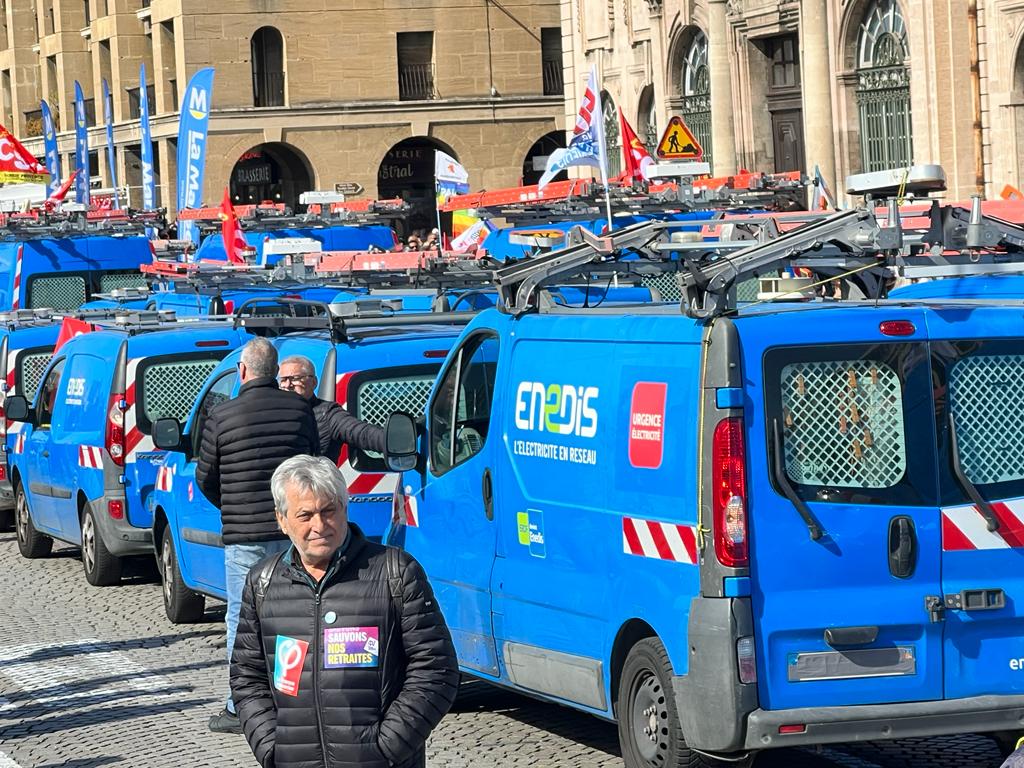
(416, 82)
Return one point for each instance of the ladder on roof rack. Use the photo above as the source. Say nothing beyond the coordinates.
(946, 240)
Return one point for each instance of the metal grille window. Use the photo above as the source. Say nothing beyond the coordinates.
(56, 292)
(883, 88)
(612, 134)
(983, 390)
(696, 82)
(667, 286)
(169, 389)
(110, 281)
(378, 398)
(32, 366)
(843, 424)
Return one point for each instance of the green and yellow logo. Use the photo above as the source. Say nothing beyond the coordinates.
(523, 522)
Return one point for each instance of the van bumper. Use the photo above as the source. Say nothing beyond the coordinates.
(120, 537)
(876, 722)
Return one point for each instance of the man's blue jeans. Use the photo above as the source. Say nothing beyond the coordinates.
(238, 560)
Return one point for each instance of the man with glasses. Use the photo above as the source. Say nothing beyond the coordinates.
(337, 426)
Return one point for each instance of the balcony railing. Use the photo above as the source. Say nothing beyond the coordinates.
(553, 83)
(135, 105)
(416, 82)
(268, 89)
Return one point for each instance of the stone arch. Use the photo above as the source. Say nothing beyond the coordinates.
(274, 171)
(407, 171)
(541, 148)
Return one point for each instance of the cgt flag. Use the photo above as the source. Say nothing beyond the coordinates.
(17, 164)
(192, 130)
(587, 146)
(81, 149)
(638, 159)
(108, 117)
(234, 241)
(50, 149)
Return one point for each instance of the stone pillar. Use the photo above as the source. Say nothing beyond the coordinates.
(723, 134)
(819, 133)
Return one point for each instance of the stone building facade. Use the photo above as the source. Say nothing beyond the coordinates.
(847, 85)
(306, 94)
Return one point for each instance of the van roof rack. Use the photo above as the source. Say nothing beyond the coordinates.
(41, 224)
(338, 319)
(854, 245)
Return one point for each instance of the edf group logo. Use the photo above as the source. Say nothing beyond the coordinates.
(562, 409)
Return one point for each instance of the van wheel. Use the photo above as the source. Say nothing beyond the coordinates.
(649, 732)
(181, 604)
(102, 569)
(31, 543)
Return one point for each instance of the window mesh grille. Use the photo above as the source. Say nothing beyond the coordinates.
(32, 367)
(984, 390)
(67, 292)
(376, 400)
(843, 424)
(113, 280)
(170, 389)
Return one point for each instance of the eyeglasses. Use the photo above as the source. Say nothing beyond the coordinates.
(287, 381)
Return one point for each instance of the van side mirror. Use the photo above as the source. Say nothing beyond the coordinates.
(401, 450)
(167, 434)
(16, 408)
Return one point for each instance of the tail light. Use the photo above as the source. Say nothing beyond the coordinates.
(745, 660)
(729, 489)
(3, 473)
(115, 430)
(115, 508)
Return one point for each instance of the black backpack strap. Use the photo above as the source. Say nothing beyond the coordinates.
(261, 583)
(395, 581)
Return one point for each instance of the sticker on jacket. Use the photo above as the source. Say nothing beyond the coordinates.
(351, 647)
(288, 658)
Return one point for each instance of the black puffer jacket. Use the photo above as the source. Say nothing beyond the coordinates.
(245, 439)
(365, 709)
(338, 427)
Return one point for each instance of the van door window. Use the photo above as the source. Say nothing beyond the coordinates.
(844, 413)
(56, 291)
(219, 392)
(31, 365)
(460, 414)
(168, 387)
(48, 395)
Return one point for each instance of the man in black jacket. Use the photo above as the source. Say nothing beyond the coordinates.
(337, 426)
(244, 441)
(342, 657)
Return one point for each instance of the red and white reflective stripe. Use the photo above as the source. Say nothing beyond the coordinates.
(361, 483)
(90, 457)
(19, 443)
(134, 440)
(16, 298)
(661, 541)
(410, 511)
(164, 479)
(963, 528)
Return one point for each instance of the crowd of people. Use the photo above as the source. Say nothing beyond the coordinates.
(339, 654)
(418, 241)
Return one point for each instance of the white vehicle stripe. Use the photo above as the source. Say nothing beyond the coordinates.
(675, 543)
(643, 533)
(972, 526)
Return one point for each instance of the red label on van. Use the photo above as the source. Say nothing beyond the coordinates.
(647, 424)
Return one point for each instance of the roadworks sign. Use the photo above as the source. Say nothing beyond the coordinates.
(678, 143)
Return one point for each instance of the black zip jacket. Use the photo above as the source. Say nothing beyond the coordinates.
(338, 427)
(245, 439)
(329, 675)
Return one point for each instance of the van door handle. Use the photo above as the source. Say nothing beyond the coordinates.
(902, 547)
(839, 636)
(487, 491)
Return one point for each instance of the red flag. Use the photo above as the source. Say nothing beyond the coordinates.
(69, 328)
(638, 159)
(58, 197)
(234, 242)
(17, 163)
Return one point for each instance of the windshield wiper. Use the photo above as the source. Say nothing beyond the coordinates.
(991, 521)
(813, 526)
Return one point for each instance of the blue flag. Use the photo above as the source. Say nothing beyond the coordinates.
(146, 153)
(192, 129)
(108, 116)
(81, 149)
(50, 146)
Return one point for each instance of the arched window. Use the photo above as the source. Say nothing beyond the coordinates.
(267, 47)
(612, 134)
(647, 119)
(883, 88)
(696, 82)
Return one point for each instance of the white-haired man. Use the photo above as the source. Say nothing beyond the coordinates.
(342, 657)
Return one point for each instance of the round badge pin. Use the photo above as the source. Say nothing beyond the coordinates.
(330, 617)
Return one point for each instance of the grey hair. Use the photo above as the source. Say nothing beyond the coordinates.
(260, 358)
(305, 362)
(316, 474)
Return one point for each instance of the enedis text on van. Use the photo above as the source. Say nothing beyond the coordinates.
(559, 409)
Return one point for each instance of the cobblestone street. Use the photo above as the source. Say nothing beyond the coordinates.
(97, 677)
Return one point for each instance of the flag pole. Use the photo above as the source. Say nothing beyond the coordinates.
(602, 145)
(437, 210)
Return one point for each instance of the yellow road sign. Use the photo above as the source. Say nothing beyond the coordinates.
(678, 143)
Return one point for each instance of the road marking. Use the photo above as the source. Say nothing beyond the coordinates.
(6, 762)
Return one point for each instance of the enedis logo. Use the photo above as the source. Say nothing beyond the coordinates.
(563, 409)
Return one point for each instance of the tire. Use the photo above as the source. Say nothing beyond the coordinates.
(181, 604)
(102, 569)
(31, 543)
(1006, 741)
(649, 731)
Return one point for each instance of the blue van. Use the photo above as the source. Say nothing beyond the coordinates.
(372, 366)
(331, 238)
(76, 464)
(759, 526)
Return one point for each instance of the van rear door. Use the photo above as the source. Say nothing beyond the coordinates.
(841, 620)
(980, 383)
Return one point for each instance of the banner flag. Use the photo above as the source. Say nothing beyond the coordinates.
(192, 133)
(108, 116)
(50, 149)
(81, 149)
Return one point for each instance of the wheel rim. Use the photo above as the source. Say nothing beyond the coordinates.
(22, 515)
(649, 718)
(168, 564)
(89, 543)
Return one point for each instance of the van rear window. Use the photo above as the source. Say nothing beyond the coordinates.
(56, 291)
(109, 281)
(31, 366)
(375, 395)
(167, 387)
